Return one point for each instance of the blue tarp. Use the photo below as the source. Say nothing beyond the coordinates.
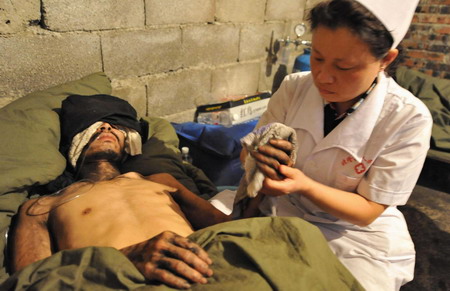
(215, 149)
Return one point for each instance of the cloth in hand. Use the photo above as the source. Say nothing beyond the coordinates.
(253, 178)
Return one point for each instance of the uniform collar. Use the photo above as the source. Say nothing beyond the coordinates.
(353, 132)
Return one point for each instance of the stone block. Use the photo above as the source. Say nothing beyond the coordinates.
(178, 11)
(210, 44)
(240, 11)
(258, 39)
(69, 15)
(284, 9)
(176, 92)
(17, 15)
(33, 63)
(267, 73)
(133, 90)
(236, 80)
(139, 53)
(311, 3)
(180, 117)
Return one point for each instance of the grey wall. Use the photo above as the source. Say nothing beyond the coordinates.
(164, 56)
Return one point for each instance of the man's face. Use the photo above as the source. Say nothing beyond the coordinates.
(108, 142)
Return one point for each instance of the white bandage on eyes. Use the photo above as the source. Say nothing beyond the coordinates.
(396, 15)
(133, 142)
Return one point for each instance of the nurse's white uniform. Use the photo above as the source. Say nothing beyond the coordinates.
(378, 152)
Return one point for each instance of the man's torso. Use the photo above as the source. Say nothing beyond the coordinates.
(117, 213)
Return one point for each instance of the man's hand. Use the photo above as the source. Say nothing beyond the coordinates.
(171, 259)
(270, 156)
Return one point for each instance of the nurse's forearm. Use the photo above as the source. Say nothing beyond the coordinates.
(344, 205)
(348, 206)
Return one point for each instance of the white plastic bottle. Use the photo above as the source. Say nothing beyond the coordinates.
(185, 156)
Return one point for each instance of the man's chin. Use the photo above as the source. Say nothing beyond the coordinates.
(107, 155)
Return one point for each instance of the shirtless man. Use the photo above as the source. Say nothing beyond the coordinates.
(146, 218)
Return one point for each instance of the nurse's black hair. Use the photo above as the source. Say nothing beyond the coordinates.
(350, 14)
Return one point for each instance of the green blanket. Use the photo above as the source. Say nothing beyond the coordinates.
(435, 93)
(252, 254)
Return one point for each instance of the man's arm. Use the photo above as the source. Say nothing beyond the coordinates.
(30, 237)
(198, 211)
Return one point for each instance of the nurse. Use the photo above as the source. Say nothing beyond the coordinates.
(362, 140)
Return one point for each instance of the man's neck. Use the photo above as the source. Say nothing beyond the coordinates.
(98, 171)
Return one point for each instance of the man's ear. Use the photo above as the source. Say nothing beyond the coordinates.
(389, 58)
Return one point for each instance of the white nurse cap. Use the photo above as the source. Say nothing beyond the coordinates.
(396, 15)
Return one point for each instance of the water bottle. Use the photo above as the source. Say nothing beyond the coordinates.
(185, 156)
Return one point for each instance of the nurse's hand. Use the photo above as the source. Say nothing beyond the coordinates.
(270, 156)
(294, 181)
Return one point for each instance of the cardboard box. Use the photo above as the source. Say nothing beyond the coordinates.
(233, 112)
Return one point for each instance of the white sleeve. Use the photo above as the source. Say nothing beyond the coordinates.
(395, 171)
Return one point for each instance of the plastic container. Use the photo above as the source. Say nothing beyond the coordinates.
(185, 155)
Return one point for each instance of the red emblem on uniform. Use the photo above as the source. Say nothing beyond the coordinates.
(360, 168)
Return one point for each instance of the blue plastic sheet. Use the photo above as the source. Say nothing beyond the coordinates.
(215, 149)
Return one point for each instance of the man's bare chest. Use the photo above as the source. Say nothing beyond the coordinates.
(104, 211)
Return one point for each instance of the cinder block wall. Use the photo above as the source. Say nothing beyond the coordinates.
(163, 56)
(427, 45)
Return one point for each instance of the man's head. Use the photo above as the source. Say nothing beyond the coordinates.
(99, 125)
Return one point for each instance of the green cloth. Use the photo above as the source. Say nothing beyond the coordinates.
(268, 253)
(435, 93)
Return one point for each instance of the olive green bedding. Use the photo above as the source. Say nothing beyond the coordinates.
(250, 254)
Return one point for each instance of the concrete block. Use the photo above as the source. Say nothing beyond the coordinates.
(17, 15)
(179, 11)
(33, 63)
(258, 39)
(69, 15)
(236, 80)
(311, 3)
(267, 72)
(133, 90)
(240, 11)
(180, 117)
(138, 53)
(210, 44)
(284, 9)
(177, 92)
(272, 81)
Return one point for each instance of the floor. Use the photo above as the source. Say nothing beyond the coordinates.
(428, 217)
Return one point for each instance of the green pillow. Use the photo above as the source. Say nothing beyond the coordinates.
(30, 133)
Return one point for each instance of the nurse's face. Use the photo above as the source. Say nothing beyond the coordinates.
(341, 64)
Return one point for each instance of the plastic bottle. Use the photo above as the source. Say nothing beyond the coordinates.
(185, 156)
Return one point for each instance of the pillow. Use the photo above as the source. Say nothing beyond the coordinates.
(29, 145)
(34, 117)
